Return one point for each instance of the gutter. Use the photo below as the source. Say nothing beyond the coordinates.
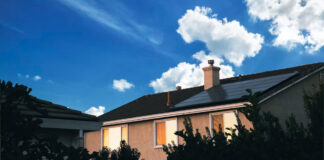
(176, 113)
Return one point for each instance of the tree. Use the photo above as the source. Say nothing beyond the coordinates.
(18, 133)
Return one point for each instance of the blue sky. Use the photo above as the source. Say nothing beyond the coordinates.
(91, 53)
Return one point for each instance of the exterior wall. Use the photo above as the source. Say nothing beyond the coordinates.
(92, 141)
(291, 101)
(199, 121)
(141, 134)
(245, 121)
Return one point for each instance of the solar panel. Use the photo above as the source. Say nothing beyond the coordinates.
(231, 91)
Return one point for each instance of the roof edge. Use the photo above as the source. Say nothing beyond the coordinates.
(291, 84)
(175, 113)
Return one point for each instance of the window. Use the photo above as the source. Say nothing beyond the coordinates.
(224, 119)
(218, 121)
(113, 135)
(164, 132)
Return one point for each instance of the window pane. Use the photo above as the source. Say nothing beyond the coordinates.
(218, 120)
(114, 137)
(160, 133)
(171, 128)
(105, 137)
(124, 133)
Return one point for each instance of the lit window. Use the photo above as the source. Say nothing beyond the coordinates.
(225, 120)
(124, 134)
(164, 132)
(113, 135)
(218, 121)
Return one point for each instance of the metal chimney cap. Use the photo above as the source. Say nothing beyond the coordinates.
(211, 62)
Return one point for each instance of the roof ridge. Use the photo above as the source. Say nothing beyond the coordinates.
(242, 76)
(269, 71)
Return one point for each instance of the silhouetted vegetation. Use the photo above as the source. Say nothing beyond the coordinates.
(124, 152)
(266, 141)
(19, 138)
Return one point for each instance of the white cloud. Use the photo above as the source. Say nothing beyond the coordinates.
(121, 85)
(293, 21)
(27, 76)
(121, 23)
(222, 38)
(96, 111)
(189, 75)
(37, 78)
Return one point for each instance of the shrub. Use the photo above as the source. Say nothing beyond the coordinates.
(124, 152)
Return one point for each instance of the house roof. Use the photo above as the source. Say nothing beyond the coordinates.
(157, 103)
(46, 109)
(233, 91)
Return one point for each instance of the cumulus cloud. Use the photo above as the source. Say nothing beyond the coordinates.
(37, 78)
(228, 39)
(121, 85)
(293, 21)
(96, 111)
(224, 39)
(189, 75)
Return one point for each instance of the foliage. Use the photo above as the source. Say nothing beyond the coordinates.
(124, 152)
(267, 140)
(18, 133)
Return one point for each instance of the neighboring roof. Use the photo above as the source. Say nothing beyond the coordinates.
(156, 103)
(46, 109)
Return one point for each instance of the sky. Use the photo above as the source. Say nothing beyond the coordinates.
(96, 55)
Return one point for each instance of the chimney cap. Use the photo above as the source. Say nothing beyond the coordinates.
(211, 62)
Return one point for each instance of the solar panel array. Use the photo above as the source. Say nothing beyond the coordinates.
(231, 91)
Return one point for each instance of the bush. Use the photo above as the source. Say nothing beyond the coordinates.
(124, 152)
(266, 141)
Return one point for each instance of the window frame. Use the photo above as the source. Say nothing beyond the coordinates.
(154, 131)
(107, 127)
(211, 125)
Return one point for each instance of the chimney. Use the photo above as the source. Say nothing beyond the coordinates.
(178, 88)
(211, 75)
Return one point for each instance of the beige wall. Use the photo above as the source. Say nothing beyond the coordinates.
(291, 101)
(141, 135)
(92, 141)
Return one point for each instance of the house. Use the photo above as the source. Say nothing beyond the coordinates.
(66, 124)
(150, 121)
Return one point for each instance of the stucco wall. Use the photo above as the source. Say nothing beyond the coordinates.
(92, 141)
(141, 136)
(291, 101)
(199, 121)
